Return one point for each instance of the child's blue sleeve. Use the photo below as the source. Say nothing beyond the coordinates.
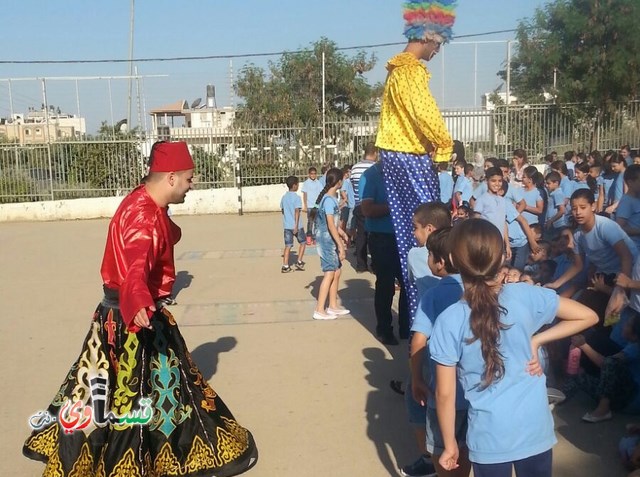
(329, 206)
(543, 302)
(512, 213)
(447, 339)
(422, 323)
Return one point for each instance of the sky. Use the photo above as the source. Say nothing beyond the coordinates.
(85, 30)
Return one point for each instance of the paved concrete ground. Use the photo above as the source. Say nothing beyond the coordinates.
(315, 394)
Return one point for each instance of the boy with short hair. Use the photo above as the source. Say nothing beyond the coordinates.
(447, 292)
(291, 205)
(463, 188)
(555, 219)
(446, 183)
(311, 189)
(427, 218)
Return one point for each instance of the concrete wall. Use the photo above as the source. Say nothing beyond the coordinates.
(213, 201)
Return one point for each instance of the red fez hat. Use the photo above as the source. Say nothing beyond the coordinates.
(170, 157)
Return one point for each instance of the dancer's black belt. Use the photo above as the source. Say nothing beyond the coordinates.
(111, 299)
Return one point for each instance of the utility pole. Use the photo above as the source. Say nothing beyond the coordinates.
(130, 64)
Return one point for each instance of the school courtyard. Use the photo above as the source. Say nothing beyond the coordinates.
(315, 395)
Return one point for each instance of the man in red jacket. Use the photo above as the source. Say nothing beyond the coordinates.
(135, 403)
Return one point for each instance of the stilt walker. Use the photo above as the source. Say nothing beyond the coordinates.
(412, 135)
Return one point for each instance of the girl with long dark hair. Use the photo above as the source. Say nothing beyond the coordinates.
(331, 241)
(489, 339)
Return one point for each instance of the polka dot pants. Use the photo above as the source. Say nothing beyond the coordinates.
(410, 180)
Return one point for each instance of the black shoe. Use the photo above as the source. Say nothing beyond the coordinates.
(286, 269)
(168, 301)
(396, 386)
(300, 265)
(420, 468)
(361, 269)
(388, 339)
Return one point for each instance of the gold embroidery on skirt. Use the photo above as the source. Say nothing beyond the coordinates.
(208, 403)
(54, 466)
(201, 457)
(45, 443)
(232, 443)
(83, 467)
(166, 462)
(127, 467)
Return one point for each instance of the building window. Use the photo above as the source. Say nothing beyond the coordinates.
(38, 132)
(27, 132)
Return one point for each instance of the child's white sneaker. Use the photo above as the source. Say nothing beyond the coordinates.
(338, 311)
(318, 315)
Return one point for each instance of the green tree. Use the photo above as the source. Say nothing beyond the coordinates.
(591, 46)
(290, 92)
(583, 55)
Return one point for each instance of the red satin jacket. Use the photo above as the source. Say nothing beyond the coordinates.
(138, 258)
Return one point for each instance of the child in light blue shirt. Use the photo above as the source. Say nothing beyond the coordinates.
(555, 218)
(628, 211)
(463, 188)
(446, 183)
(488, 341)
(291, 207)
(427, 218)
(423, 384)
(492, 206)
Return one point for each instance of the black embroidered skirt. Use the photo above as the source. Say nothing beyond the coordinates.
(135, 404)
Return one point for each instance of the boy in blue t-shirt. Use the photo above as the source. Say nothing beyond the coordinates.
(446, 183)
(311, 189)
(463, 188)
(291, 207)
(427, 218)
(555, 218)
(628, 211)
(447, 292)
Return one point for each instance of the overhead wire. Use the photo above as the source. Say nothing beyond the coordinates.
(226, 56)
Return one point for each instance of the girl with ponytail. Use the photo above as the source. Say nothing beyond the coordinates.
(330, 240)
(488, 340)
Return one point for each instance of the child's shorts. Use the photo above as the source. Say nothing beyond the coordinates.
(288, 237)
(328, 253)
(435, 442)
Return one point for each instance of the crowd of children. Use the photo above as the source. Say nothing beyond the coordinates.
(571, 232)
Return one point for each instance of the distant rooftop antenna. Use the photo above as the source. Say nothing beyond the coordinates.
(196, 103)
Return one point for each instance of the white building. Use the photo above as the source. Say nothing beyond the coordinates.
(42, 126)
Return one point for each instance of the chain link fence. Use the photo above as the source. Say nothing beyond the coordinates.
(244, 156)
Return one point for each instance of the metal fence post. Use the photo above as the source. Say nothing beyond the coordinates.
(238, 172)
(47, 135)
(239, 186)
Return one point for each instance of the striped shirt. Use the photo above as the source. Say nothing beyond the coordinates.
(356, 172)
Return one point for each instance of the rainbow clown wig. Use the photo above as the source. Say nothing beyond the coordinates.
(429, 19)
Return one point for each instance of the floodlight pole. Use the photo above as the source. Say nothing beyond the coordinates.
(508, 101)
(130, 64)
(324, 112)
